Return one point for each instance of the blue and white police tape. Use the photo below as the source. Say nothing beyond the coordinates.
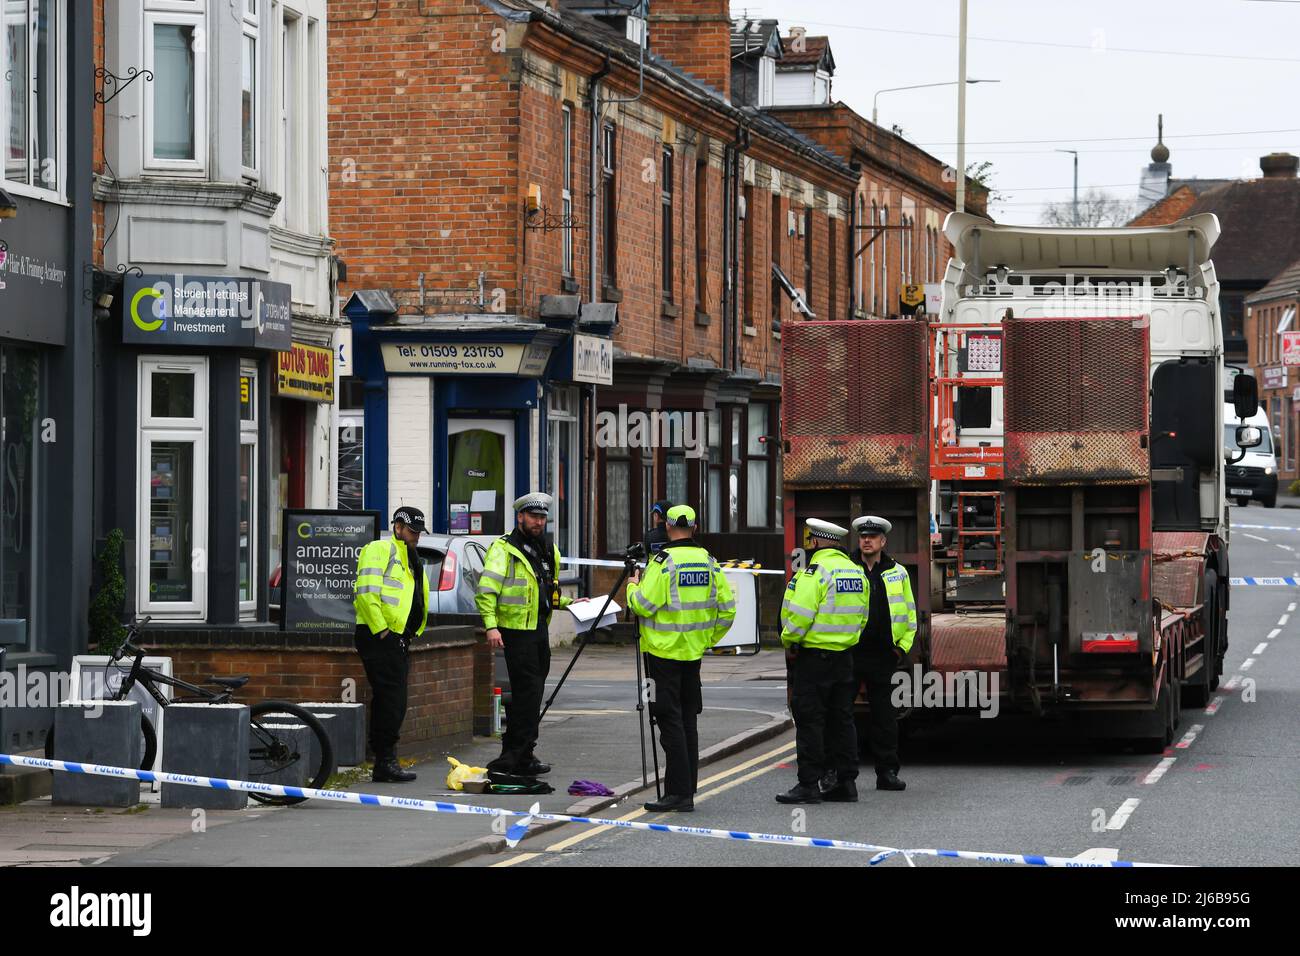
(1265, 582)
(516, 832)
(599, 563)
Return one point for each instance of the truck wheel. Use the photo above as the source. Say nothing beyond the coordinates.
(1155, 729)
(1202, 685)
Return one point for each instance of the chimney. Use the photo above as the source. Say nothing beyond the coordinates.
(1279, 165)
(694, 36)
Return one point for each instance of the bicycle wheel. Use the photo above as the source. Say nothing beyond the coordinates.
(280, 752)
(146, 729)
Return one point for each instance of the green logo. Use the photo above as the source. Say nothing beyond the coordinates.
(148, 292)
(304, 529)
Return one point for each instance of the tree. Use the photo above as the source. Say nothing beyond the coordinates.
(982, 173)
(106, 630)
(1096, 208)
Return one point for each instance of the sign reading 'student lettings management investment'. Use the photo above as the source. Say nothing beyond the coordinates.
(319, 568)
(232, 311)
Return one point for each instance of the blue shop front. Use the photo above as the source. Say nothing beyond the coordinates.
(464, 413)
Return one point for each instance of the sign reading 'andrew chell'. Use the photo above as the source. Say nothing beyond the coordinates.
(320, 566)
(232, 311)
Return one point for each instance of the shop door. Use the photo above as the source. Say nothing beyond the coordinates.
(480, 475)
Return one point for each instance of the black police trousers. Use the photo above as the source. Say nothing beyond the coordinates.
(876, 671)
(528, 661)
(388, 667)
(676, 701)
(822, 692)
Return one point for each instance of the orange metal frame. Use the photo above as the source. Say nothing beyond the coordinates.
(950, 460)
(995, 533)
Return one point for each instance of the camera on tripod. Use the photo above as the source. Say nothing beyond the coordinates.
(634, 553)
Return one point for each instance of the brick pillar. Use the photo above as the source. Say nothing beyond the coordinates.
(694, 35)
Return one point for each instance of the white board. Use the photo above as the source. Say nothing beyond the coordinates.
(744, 629)
(90, 682)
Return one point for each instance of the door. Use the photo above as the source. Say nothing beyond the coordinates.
(480, 475)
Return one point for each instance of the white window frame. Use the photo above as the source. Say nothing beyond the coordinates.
(248, 435)
(159, 429)
(566, 191)
(562, 406)
(292, 146)
(251, 31)
(884, 261)
(58, 192)
(162, 13)
(872, 234)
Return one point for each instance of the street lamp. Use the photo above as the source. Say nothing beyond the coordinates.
(1076, 182)
(919, 86)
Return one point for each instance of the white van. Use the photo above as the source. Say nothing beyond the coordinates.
(1254, 476)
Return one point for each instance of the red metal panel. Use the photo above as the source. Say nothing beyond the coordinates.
(968, 642)
(1076, 401)
(1179, 567)
(854, 403)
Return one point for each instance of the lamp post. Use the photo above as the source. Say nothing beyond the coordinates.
(1076, 182)
(961, 110)
(919, 86)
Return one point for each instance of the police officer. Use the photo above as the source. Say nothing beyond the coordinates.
(656, 535)
(516, 593)
(824, 611)
(886, 640)
(686, 606)
(392, 604)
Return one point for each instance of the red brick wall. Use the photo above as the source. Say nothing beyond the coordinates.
(424, 135)
(694, 35)
(440, 699)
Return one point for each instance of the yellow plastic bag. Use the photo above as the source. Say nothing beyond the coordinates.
(460, 772)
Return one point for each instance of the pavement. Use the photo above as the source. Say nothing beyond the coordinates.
(591, 733)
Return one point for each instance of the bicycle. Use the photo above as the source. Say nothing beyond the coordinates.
(270, 750)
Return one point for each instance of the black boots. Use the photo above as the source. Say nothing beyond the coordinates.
(671, 804)
(533, 768)
(845, 791)
(889, 781)
(388, 770)
(801, 793)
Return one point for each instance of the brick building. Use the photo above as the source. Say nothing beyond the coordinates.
(596, 223)
(1270, 314)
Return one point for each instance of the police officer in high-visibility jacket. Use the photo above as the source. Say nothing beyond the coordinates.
(392, 605)
(685, 605)
(824, 611)
(886, 641)
(517, 592)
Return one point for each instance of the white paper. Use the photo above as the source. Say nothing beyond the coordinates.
(485, 499)
(584, 614)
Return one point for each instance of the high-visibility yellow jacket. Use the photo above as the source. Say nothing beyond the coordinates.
(507, 589)
(385, 588)
(825, 605)
(684, 602)
(902, 606)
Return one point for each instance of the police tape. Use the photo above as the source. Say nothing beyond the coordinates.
(1265, 527)
(516, 832)
(730, 564)
(1265, 582)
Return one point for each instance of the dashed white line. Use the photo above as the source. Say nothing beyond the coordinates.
(1233, 683)
(1105, 854)
(1261, 648)
(1248, 663)
(1291, 606)
(1281, 621)
(1189, 737)
(1247, 534)
(1160, 770)
(1273, 633)
(1213, 707)
(1286, 547)
(1121, 815)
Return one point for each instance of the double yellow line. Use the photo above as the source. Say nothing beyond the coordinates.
(700, 797)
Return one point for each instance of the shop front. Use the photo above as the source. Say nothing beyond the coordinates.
(189, 460)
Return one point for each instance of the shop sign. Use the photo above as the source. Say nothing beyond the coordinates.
(1291, 348)
(320, 567)
(1275, 376)
(593, 359)
(230, 311)
(306, 372)
(467, 358)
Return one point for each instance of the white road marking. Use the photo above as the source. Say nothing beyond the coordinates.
(1233, 683)
(1160, 770)
(1291, 606)
(1261, 648)
(1281, 621)
(1189, 737)
(1273, 633)
(1286, 547)
(1246, 534)
(1248, 663)
(1121, 815)
(1102, 854)
(1213, 707)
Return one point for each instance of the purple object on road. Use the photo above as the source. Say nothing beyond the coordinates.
(589, 788)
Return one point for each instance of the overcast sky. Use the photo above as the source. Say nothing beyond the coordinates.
(1067, 78)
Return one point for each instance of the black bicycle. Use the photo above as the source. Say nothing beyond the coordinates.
(273, 750)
